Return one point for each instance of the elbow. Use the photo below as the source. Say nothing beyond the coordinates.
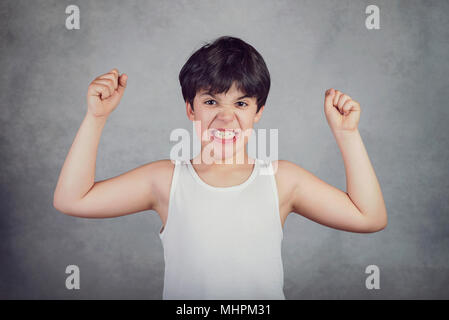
(57, 201)
(70, 208)
(381, 227)
(381, 224)
(60, 205)
(384, 220)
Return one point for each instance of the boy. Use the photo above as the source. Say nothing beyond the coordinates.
(222, 222)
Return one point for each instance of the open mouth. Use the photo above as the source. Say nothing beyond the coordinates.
(223, 135)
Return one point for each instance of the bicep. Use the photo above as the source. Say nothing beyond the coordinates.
(127, 193)
(325, 204)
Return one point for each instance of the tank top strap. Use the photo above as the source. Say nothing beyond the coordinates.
(264, 167)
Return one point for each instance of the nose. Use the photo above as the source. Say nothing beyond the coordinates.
(225, 114)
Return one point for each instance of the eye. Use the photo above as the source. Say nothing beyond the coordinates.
(206, 102)
(242, 104)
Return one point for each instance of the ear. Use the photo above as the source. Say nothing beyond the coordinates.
(189, 111)
(259, 114)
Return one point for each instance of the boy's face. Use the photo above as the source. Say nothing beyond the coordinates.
(231, 111)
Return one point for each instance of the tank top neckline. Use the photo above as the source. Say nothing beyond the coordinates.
(231, 188)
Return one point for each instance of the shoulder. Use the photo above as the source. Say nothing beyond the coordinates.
(157, 174)
(161, 170)
(284, 169)
(287, 174)
(160, 174)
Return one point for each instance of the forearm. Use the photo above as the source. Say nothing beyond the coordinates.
(78, 172)
(361, 182)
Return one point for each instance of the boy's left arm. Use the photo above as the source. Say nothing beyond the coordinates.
(343, 114)
(361, 208)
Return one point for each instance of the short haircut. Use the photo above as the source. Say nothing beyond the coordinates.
(217, 65)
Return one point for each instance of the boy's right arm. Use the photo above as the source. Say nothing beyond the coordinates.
(76, 192)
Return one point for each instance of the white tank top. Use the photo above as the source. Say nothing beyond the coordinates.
(223, 242)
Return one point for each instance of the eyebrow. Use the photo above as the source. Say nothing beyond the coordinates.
(208, 93)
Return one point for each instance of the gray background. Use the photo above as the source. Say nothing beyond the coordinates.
(398, 74)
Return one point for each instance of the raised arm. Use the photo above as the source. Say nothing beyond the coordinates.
(361, 209)
(76, 192)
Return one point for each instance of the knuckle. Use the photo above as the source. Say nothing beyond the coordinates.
(113, 77)
(114, 74)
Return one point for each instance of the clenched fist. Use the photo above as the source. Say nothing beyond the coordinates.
(342, 113)
(104, 93)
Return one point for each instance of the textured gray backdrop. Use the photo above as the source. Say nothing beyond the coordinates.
(398, 74)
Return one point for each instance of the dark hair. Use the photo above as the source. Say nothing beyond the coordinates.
(216, 66)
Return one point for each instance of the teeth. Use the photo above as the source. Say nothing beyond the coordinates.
(224, 135)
